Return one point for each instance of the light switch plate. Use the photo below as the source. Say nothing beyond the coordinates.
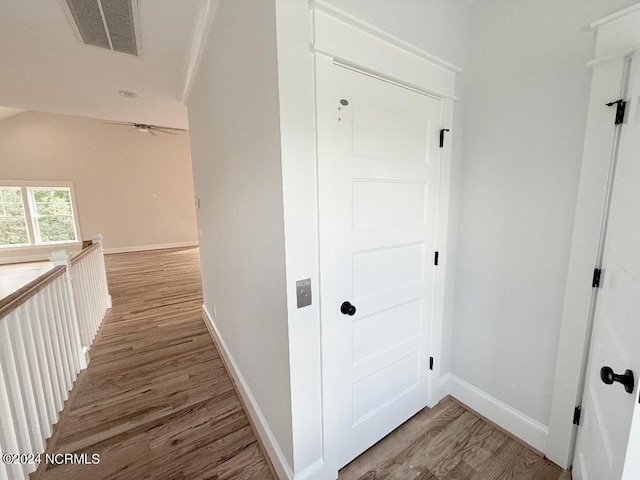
(303, 292)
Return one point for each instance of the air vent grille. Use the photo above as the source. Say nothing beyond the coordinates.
(106, 24)
(119, 18)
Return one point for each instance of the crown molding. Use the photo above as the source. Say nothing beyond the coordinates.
(203, 19)
(335, 12)
(615, 16)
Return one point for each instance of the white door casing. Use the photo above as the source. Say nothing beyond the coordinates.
(383, 190)
(632, 462)
(342, 39)
(617, 37)
(607, 410)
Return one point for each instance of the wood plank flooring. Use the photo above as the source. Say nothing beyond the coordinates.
(16, 275)
(155, 401)
(449, 442)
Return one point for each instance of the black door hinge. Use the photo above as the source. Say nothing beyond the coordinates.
(621, 105)
(430, 363)
(442, 136)
(576, 415)
(595, 283)
(435, 258)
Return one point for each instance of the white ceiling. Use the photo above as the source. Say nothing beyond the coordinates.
(45, 67)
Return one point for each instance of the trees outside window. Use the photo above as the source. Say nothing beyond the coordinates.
(37, 215)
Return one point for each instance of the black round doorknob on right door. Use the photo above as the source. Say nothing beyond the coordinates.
(608, 376)
(347, 309)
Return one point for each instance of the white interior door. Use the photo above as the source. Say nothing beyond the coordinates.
(608, 409)
(632, 462)
(379, 208)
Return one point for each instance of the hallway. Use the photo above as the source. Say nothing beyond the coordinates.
(155, 401)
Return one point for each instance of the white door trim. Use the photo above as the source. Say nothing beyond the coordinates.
(341, 38)
(365, 27)
(617, 38)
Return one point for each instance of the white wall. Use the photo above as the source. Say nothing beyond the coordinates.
(134, 188)
(525, 113)
(235, 145)
(437, 26)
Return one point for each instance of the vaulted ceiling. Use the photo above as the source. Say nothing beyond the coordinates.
(46, 67)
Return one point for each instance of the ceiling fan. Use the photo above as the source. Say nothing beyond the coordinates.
(148, 128)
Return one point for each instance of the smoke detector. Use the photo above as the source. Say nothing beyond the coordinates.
(108, 24)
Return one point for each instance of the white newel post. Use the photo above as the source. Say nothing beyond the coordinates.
(103, 272)
(63, 258)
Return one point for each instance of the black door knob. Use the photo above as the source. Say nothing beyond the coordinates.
(347, 309)
(608, 377)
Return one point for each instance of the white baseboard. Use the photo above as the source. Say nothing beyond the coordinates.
(316, 471)
(515, 422)
(444, 384)
(274, 451)
(142, 248)
(35, 254)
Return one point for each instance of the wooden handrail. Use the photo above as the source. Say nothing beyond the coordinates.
(84, 252)
(17, 298)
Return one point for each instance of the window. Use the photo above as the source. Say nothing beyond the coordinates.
(37, 214)
(52, 215)
(13, 222)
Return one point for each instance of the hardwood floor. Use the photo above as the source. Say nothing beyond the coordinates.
(16, 275)
(449, 442)
(155, 401)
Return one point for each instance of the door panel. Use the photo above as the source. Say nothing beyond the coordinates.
(608, 409)
(389, 126)
(388, 204)
(398, 377)
(379, 211)
(386, 329)
(379, 271)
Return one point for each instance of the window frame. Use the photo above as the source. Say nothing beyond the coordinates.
(26, 220)
(30, 216)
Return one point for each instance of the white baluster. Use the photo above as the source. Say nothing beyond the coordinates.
(59, 294)
(63, 300)
(25, 381)
(63, 347)
(75, 340)
(97, 292)
(84, 287)
(34, 369)
(86, 275)
(43, 362)
(103, 270)
(50, 320)
(80, 308)
(8, 429)
(70, 308)
(12, 383)
(52, 364)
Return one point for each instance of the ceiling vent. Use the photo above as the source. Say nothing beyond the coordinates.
(110, 24)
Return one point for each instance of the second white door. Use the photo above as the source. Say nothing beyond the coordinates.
(379, 208)
(608, 406)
